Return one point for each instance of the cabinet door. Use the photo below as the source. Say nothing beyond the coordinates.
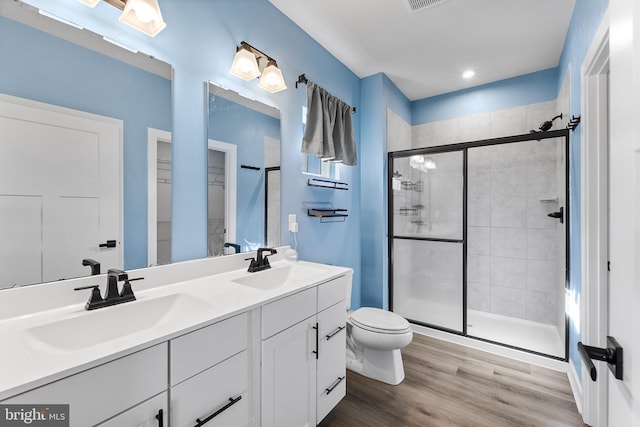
(152, 413)
(289, 377)
(331, 381)
(216, 397)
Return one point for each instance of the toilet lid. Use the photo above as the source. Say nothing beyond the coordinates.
(382, 320)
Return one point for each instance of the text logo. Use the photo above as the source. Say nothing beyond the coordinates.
(34, 415)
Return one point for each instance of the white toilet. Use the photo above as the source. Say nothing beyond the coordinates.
(374, 340)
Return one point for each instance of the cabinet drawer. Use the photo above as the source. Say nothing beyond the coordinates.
(100, 393)
(332, 320)
(332, 291)
(213, 391)
(332, 380)
(283, 313)
(201, 349)
(143, 415)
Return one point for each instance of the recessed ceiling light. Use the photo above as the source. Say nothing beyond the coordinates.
(468, 74)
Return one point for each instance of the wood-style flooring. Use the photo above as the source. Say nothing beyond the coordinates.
(451, 385)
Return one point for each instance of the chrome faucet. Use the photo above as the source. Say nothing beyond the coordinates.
(112, 295)
(261, 262)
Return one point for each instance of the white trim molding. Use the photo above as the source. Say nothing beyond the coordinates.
(153, 136)
(595, 218)
(231, 177)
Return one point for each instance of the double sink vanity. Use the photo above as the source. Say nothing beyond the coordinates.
(204, 342)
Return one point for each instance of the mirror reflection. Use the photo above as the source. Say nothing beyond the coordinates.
(244, 173)
(75, 112)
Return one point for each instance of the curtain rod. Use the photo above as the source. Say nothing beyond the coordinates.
(303, 79)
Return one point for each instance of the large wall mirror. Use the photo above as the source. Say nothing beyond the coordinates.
(75, 115)
(244, 173)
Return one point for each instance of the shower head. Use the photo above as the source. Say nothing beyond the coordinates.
(545, 126)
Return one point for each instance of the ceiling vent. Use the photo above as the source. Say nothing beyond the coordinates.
(418, 5)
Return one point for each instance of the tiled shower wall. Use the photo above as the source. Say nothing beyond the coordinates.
(513, 253)
(513, 247)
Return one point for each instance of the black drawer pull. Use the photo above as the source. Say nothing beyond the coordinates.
(317, 351)
(160, 418)
(334, 385)
(335, 332)
(232, 402)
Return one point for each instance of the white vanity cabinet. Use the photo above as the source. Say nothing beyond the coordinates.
(303, 355)
(209, 376)
(98, 394)
(146, 414)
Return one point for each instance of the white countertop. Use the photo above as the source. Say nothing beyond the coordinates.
(26, 363)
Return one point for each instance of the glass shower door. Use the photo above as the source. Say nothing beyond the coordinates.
(428, 229)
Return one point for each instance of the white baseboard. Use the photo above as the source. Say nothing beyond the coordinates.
(576, 385)
(523, 356)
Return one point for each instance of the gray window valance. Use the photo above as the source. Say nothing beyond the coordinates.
(329, 131)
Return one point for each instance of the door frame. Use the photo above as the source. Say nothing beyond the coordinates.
(230, 183)
(595, 217)
(153, 137)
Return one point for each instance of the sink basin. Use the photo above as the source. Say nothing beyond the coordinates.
(277, 277)
(96, 327)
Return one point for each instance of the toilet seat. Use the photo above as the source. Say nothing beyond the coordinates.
(380, 321)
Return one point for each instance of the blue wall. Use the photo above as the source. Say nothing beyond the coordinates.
(200, 41)
(522, 90)
(378, 94)
(246, 128)
(49, 69)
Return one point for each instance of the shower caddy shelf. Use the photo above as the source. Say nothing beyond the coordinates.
(323, 183)
(340, 215)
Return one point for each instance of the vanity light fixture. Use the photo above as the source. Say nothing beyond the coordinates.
(272, 80)
(143, 15)
(250, 63)
(245, 64)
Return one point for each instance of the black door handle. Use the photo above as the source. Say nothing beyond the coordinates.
(559, 215)
(612, 355)
(108, 244)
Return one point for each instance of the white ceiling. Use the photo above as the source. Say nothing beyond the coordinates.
(424, 53)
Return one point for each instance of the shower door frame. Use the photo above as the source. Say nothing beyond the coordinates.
(464, 147)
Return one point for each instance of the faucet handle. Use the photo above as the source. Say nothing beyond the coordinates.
(95, 298)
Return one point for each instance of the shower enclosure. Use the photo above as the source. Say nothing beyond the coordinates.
(478, 239)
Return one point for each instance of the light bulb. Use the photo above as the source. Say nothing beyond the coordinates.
(144, 12)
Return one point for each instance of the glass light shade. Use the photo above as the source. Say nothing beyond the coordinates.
(245, 64)
(90, 3)
(272, 80)
(143, 15)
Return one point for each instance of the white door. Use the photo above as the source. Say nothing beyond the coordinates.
(60, 191)
(289, 377)
(624, 278)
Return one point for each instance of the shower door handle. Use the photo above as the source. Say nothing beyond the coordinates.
(559, 215)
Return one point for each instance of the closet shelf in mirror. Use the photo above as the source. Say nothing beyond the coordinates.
(323, 183)
(328, 215)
